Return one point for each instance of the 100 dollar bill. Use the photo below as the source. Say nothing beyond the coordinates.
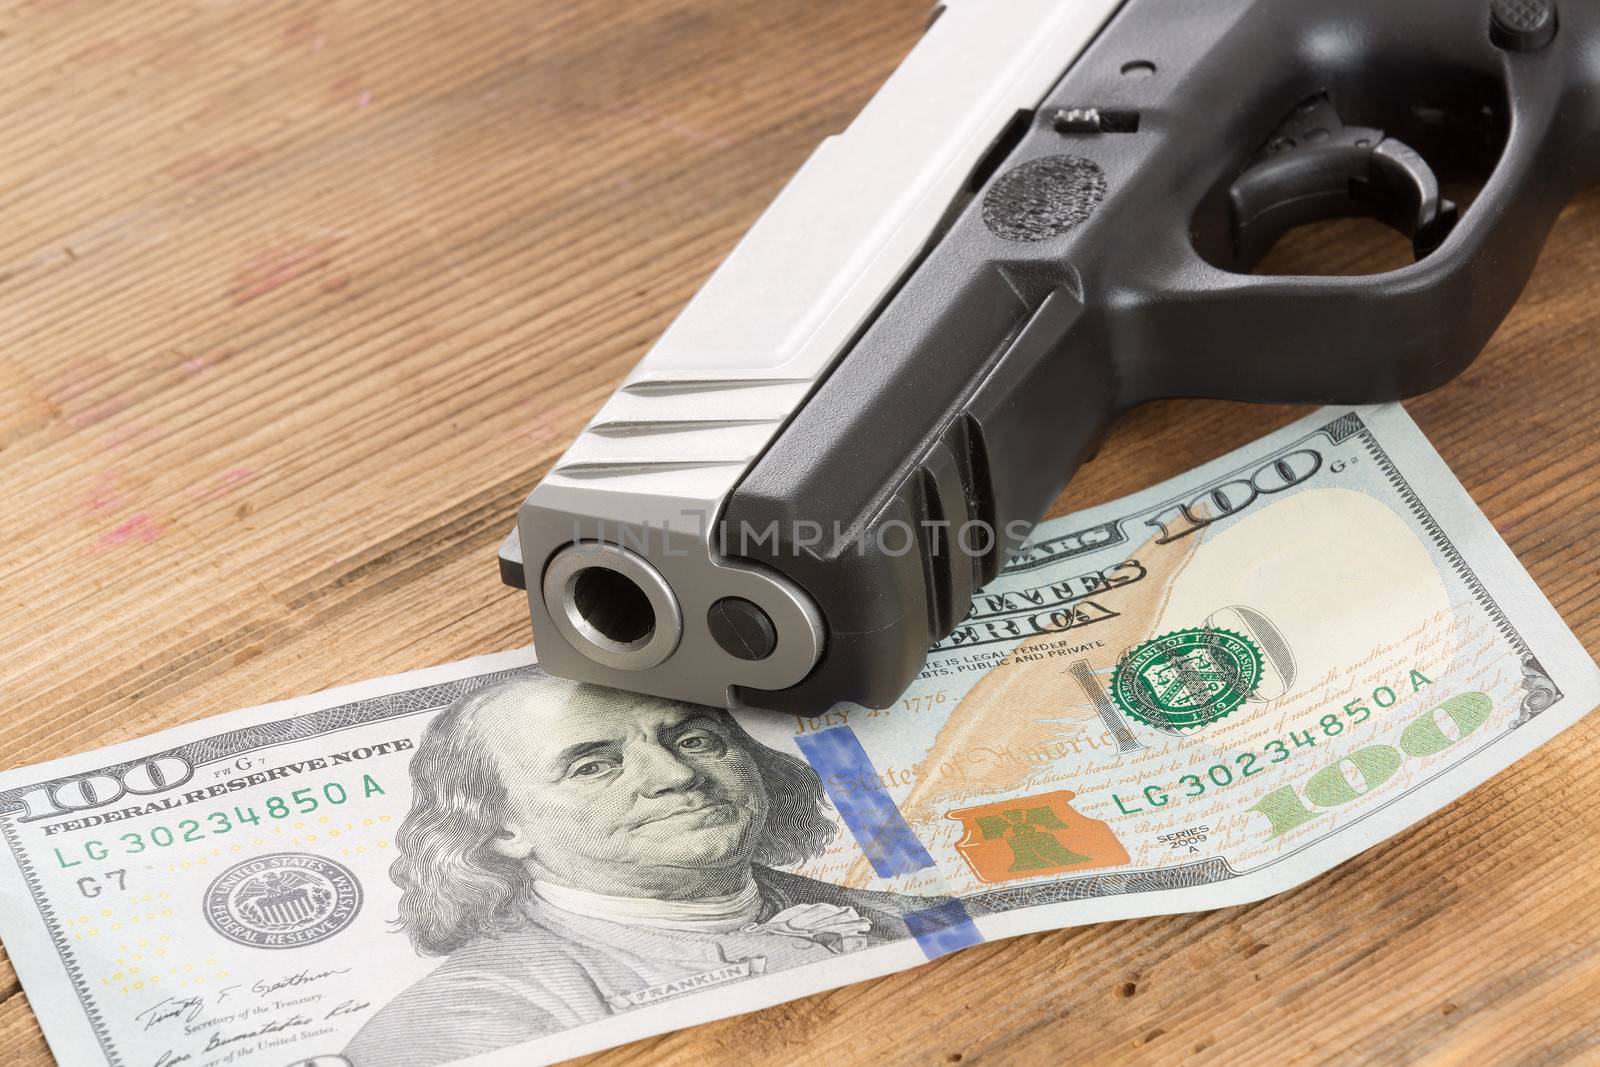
(1194, 697)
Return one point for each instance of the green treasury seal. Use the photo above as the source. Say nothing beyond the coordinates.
(1187, 679)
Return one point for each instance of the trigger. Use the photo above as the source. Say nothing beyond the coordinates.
(1314, 167)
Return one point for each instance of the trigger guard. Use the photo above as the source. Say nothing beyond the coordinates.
(1362, 173)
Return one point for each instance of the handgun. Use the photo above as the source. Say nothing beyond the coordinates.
(1051, 212)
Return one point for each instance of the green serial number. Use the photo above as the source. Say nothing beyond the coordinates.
(1248, 764)
(301, 801)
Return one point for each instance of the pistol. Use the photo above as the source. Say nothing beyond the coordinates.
(1050, 212)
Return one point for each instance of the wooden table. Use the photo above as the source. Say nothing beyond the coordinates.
(298, 300)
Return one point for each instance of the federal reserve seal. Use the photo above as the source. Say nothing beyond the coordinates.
(1187, 679)
(284, 900)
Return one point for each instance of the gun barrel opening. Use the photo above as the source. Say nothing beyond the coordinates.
(612, 606)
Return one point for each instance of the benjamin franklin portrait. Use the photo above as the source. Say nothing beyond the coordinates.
(574, 852)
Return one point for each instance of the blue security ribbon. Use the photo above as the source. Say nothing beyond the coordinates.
(943, 928)
(884, 836)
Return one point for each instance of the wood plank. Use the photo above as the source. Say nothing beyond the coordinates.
(298, 300)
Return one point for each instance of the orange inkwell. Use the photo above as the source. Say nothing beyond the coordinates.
(1031, 836)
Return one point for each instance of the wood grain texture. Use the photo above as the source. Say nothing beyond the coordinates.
(298, 300)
